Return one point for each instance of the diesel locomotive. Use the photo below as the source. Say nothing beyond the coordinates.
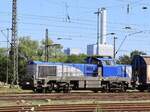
(98, 74)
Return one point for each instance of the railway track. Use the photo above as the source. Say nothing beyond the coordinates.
(111, 107)
(106, 107)
(81, 96)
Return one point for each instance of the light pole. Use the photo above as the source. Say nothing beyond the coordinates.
(114, 53)
(114, 43)
(46, 45)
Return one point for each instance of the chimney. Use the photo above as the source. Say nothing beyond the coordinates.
(103, 29)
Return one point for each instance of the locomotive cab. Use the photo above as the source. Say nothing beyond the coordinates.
(112, 76)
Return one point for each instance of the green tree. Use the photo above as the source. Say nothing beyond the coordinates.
(125, 59)
(136, 52)
(5, 65)
(28, 48)
(54, 50)
(76, 58)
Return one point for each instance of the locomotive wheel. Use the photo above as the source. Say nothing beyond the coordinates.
(141, 90)
(58, 91)
(66, 88)
(49, 89)
(95, 91)
(34, 90)
(148, 88)
(123, 88)
(108, 87)
(39, 90)
(57, 88)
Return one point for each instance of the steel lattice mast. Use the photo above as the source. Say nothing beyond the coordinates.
(14, 43)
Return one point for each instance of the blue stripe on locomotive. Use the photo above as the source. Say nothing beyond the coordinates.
(115, 71)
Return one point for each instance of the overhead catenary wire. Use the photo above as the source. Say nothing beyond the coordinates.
(92, 9)
(88, 24)
(75, 21)
(58, 26)
(48, 17)
(49, 1)
(37, 30)
(122, 42)
(80, 19)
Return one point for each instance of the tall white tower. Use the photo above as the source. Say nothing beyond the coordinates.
(101, 48)
(103, 28)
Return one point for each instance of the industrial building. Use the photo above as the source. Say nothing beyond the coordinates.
(101, 47)
(104, 50)
(70, 51)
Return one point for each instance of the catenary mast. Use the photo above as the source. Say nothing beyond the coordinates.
(14, 43)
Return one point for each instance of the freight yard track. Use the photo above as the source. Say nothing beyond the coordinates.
(78, 108)
(76, 96)
(111, 106)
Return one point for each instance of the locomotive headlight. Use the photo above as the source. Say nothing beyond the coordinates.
(27, 83)
(55, 86)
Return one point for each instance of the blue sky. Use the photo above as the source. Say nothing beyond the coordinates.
(34, 16)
